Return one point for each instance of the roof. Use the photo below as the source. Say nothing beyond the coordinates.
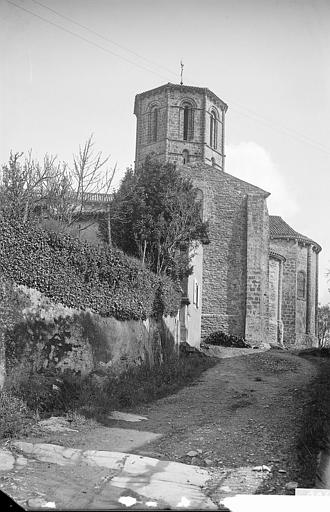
(254, 189)
(279, 229)
(235, 182)
(183, 88)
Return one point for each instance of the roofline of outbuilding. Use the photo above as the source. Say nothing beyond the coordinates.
(183, 88)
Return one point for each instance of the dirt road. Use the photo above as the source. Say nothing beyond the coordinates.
(247, 411)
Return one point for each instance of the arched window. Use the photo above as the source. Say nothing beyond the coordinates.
(213, 161)
(188, 121)
(153, 124)
(185, 156)
(213, 130)
(301, 285)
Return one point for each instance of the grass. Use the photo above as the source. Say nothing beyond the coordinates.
(15, 417)
(28, 397)
(315, 351)
(314, 432)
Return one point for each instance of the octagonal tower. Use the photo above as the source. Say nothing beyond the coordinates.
(180, 123)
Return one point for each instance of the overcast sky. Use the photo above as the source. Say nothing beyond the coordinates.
(73, 72)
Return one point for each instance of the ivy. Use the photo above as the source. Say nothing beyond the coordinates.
(83, 276)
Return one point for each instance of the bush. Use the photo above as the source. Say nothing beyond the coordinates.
(315, 351)
(48, 393)
(15, 417)
(40, 391)
(144, 383)
(83, 276)
(167, 297)
(226, 340)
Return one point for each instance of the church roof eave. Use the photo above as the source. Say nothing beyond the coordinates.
(253, 189)
(185, 88)
(280, 230)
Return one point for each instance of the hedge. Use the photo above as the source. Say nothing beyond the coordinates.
(222, 339)
(84, 276)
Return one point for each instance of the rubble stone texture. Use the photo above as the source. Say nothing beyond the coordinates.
(248, 273)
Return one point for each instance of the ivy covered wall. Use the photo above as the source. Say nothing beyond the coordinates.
(84, 276)
(66, 304)
(37, 334)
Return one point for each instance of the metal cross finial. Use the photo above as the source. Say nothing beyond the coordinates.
(181, 64)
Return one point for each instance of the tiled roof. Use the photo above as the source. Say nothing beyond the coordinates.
(280, 229)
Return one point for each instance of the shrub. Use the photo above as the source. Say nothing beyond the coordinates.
(167, 297)
(84, 276)
(315, 351)
(47, 393)
(15, 417)
(144, 383)
(226, 340)
(41, 391)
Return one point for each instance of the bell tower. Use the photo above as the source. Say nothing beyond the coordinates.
(180, 123)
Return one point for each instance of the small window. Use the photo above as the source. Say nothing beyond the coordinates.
(196, 294)
(213, 161)
(188, 122)
(185, 156)
(213, 130)
(153, 124)
(301, 285)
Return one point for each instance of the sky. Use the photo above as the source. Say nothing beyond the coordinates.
(70, 68)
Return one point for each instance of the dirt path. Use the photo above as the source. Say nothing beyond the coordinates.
(247, 411)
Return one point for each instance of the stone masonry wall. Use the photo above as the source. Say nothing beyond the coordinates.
(298, 314)
(36, 333)
(301, 312)
(274, 275)
(305, 318)
(143, 145)
(288, 248)
(175, 127)
(225, 258)
(170, 144)
(257, 307)
(209, 152)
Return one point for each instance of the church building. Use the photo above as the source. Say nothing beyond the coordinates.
(257, 277)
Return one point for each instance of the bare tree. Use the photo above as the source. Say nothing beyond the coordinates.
(60, 195)
(91, 181)
(323, 325)
(24, 185)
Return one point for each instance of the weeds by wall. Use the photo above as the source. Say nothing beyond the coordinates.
(80, 324)
(28, 397)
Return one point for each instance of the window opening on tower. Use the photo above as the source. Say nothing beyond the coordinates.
(153, 124)
(213, 130)
(188, 122)
(185, 156)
